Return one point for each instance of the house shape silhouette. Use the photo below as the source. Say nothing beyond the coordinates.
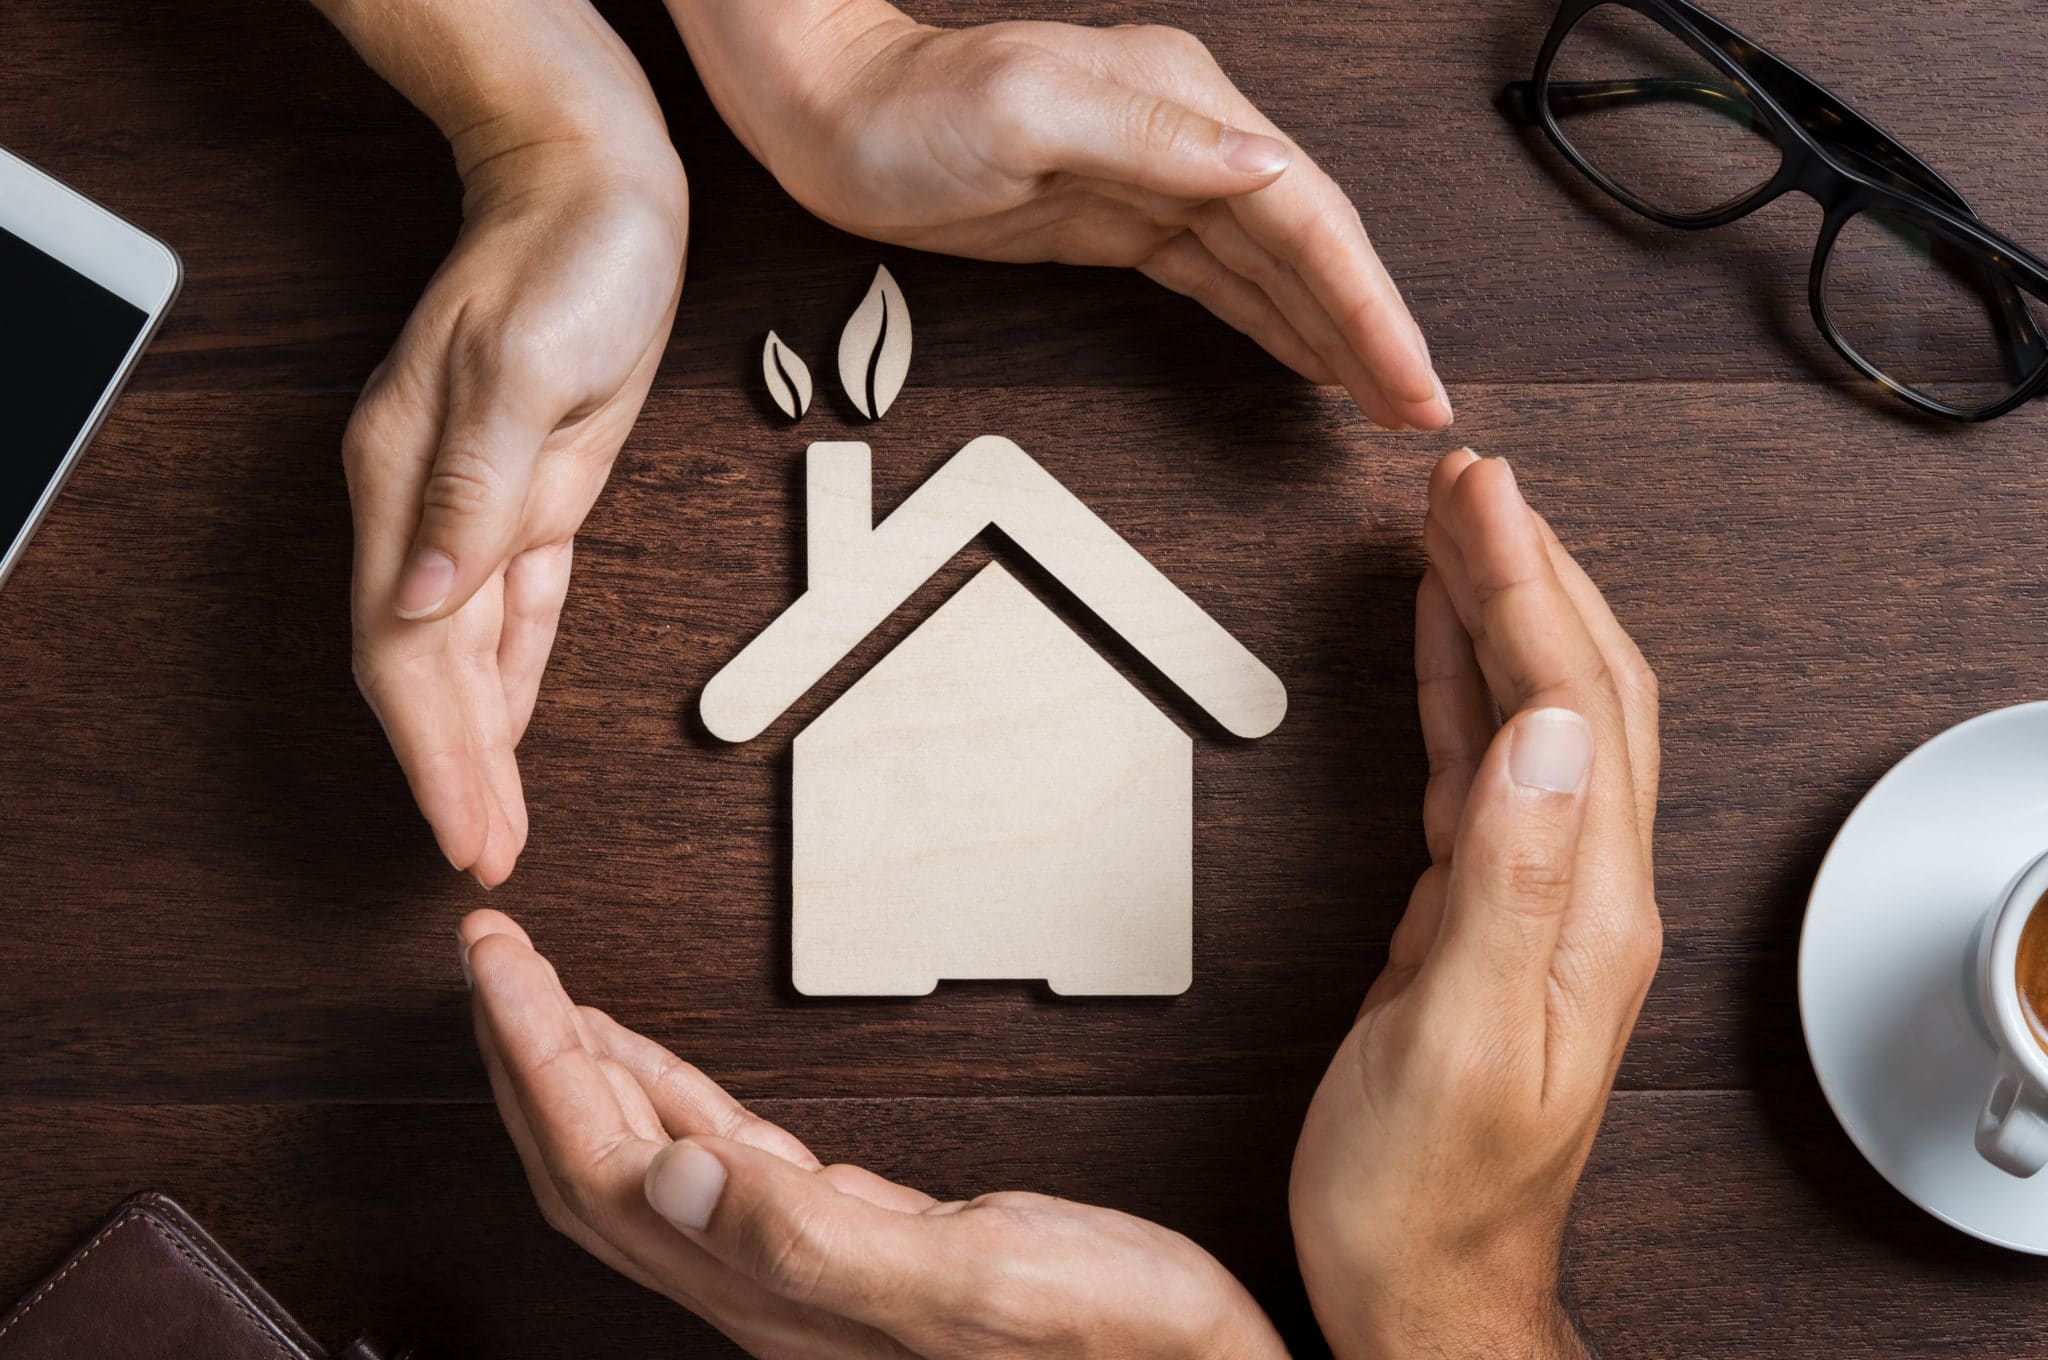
(992, 799)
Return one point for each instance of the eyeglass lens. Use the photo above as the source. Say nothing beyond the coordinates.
(1922, 307)
(1655, 117)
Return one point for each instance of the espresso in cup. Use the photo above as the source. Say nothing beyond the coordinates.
(2030, 972)
(2012, 998)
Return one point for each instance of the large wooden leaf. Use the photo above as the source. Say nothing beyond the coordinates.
(789, 381)
(874, 349)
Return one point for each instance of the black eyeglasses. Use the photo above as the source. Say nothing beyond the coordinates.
(1693, 125)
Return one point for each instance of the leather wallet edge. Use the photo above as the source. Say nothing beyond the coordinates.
(162, 1215)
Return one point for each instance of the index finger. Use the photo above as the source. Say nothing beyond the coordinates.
(1458, 722)
(688, 1101)
(1633, 678)
(1312, 227)
(545, 1191)
(1634, 682)
(1303, 220)
(1530, 638)
(578, 1127)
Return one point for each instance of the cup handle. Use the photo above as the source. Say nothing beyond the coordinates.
(2012, 1132)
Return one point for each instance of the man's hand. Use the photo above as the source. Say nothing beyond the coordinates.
(1044, 141)
(1439, 1157)
(480, 443)
(645, 1163)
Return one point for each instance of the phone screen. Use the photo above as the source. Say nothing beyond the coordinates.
(62, 340)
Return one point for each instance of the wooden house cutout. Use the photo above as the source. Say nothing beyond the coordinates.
(992, 799)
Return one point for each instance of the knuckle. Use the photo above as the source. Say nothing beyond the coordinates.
(582, 1175)
(368, 436)
(736, 1123)
(1469, 1067)
(1457, 765)
(1173, 44)
(464, 483)
(682, 1084)
(1010, 77)
(556, 1214)
(1321, 234)
(792, 1254)
(355, 448)
(1640, 685)
(1006, 1307)
(1159, 125)
(678, 1076)
(1646, 944)
(503, 352)
(1537, 872)
(1598, 674)
(363, 664)
(1012, 1204)
(1004, 1302)
(1010, 85)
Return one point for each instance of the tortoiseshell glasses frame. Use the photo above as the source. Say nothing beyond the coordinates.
(1829, 152)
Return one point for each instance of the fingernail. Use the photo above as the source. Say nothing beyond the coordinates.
(1249, 153)
(684, 1184)
(428, 576)
(1444, 397)
(1551, 750)
(468, 978)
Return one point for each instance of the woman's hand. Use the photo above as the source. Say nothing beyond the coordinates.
(479, 445)
(1439, 1157)
(474, 455)
(1042, 141)
(645, 1163)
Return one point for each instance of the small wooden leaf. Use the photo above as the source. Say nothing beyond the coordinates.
(874, 349)
(789, 382)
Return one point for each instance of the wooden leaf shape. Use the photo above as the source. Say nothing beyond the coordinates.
(789, 381)
(874, 349)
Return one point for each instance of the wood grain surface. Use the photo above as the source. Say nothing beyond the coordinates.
(227, 962)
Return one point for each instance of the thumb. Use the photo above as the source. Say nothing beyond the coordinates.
(1103, 130)
(1514, 864)
(475, 497)
(793, 1232)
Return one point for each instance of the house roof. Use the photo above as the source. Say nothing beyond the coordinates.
(991, 481)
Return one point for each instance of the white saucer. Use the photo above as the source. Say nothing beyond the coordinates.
(1886, 960)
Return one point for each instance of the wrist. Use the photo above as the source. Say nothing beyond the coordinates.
(566, 170)
(1543, 1333)
(1453, 1329)
(775, 71)
(1481, 1300)
(502, 77)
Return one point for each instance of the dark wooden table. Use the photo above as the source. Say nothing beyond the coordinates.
(227, 966)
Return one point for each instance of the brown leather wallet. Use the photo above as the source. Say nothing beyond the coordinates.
(150, 1285)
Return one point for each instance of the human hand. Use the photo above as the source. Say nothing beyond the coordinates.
(1438, 1160)
(479, 445)
(737, 1221)
(1042, 141)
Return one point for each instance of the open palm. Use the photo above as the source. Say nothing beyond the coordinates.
(473, 456)
(646, 1163)
(1097, 146)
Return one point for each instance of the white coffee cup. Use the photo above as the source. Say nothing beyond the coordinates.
(2012, 1132)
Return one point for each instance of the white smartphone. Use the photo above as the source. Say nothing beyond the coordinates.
(81, 293)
